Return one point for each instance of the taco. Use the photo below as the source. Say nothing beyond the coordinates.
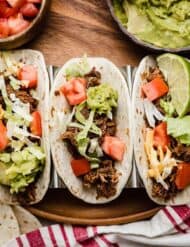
(24, 149)
(161, 108)
(90, 129)
(15, 221)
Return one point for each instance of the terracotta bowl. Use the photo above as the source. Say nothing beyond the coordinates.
(146, 45)
(28, 34)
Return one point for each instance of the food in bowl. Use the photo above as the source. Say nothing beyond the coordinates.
(164, 23)
(90, 129)
(17, 15)
(161, 107)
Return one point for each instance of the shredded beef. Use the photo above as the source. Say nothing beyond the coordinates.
(70, 135)
(93, 78)
(159, 191)
(2, 102)
(107, 126)
(152, 74)
(24, 96)
(179, 151)
(28, 195)
(104, 178)
(85, 112)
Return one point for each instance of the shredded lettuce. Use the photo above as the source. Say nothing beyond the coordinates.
(12, 65)
(19, 169)
(15, 84)
(94, 165)
(36, 151)
(3, 178)
(83, 140)
(17, 145)
(5, 157)
(83, 134)
(78, 69)
(179, 129)
(95, 148)
(15, 119)
(81, 119)
(167, 107)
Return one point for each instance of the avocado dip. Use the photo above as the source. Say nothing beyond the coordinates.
(164, 23)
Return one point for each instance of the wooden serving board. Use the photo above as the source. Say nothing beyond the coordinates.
(73, 28)
(60, 206)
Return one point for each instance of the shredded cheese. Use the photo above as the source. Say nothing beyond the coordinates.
(1, 112)
(160, 163)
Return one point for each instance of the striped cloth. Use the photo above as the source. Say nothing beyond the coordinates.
(169, 227)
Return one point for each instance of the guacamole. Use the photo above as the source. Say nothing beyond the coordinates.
(102, 98)
(164, 23)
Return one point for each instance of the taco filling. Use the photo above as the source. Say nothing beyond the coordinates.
(22, 157)
(167, 135)
(90, 133)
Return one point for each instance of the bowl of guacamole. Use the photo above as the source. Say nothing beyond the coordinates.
(162, 25)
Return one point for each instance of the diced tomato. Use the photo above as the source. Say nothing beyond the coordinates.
(155, 89)
(82, 81)
(75, 90)
(29, 10)
(3, 136)
(80, 166)
(34, 1)
(6, 11)
(17, 24)
(114, 147)
(76, 99)
(161, 137)
(4, 28)
(16, 3)
(29, 73)
(36, 125)
(183, 176)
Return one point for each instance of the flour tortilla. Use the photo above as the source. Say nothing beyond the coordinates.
(26, 221)
(9, 227)
(15, 221)
(41, 185)
(60, 112)
(138, 133)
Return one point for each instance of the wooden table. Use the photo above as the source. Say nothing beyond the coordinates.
(75, 27)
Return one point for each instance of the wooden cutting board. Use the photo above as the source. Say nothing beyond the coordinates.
(75, 27)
